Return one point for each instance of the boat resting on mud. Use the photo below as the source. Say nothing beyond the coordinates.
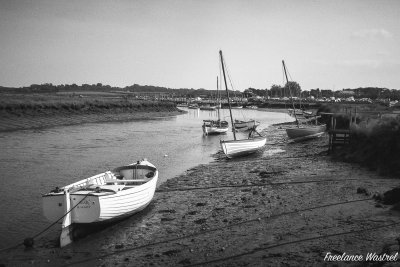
(246, 125)
(241, 147)
(105, 197)
(304, 132)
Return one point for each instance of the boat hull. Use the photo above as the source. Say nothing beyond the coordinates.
(215, 127)
(246, 125)
(305, 132)
(113, 201)
(103, 208)
(215, 130)
(208, 108)
(235, 148)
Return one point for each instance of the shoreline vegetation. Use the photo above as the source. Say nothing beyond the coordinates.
(41, 111)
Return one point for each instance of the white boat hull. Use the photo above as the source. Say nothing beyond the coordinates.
(215, 127)
(234, 148)
(305, 132)
(110, 201)
(215, 130)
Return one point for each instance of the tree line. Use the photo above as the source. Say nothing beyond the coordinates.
(290, 89)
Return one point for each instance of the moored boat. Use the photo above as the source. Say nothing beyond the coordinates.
(235, 148)
(208, 107)
(215, 127)
(105, 197)
(296, 134)
(304, 129)
(193, 106)
(246, 125)
(239, 147)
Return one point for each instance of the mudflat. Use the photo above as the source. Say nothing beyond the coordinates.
(296, 207)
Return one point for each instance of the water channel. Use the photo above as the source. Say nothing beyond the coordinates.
(33, 162)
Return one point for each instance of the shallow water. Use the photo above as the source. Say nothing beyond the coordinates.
(33, 162)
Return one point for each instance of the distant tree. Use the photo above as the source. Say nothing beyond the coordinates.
(327, 93)
(276, 91)
(292, 89)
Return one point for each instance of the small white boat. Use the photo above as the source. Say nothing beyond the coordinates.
(235, 148)
(105, 197)
(215, 127)
(193, 106)
(304, 132)
(239, 147)
(246, 125)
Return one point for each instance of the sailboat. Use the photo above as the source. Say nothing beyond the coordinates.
(246, 125)
(215, 127)
(302, 131)
(239, 147)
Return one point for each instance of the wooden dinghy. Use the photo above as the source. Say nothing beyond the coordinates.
(246, 125)
(105, 197)
(305, 132)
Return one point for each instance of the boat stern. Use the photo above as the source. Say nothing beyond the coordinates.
(85, 208)
(53, 205)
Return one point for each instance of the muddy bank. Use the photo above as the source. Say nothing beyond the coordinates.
(287, 208)
(10, 122)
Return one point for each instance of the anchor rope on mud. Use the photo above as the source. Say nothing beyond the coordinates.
(29, 241)
(263, 184)
(273, 216)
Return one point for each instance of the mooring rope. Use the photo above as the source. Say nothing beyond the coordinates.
(219, 228)
(265, 184)
(47, 228)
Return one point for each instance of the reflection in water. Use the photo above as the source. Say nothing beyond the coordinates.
(35, 161)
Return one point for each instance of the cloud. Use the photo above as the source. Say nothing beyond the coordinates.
(372, 34)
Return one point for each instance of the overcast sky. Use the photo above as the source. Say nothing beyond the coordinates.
(330, 44)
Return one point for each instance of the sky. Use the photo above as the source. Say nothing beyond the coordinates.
(326, 44)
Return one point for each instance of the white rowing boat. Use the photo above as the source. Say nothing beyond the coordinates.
(105, 197)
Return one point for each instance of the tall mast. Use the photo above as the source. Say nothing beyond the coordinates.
(290, 93)
(218, 104)
(227, 93)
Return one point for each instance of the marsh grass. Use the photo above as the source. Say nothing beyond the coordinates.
(53, 104)
(375, 139)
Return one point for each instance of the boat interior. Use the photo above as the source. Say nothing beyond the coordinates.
(121, 178)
